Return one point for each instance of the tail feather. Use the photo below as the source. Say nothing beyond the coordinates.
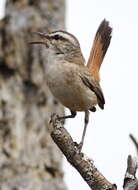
(99, 48)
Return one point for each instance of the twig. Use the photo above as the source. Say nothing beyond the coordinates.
(134, 141)
(79, 161)
(130, 180)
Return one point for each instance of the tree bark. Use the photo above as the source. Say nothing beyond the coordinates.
(85, 165)
(130, 180)
(28, 157)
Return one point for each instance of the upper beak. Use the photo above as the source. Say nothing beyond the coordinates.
(45, 36)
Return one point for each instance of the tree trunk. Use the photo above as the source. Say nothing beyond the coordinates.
(28, 157)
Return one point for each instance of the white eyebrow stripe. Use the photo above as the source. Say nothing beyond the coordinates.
(67, 36)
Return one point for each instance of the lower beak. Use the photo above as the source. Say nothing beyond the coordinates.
(41, 42)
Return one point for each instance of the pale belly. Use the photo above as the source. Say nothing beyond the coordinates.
(75, 99)
(69, 89)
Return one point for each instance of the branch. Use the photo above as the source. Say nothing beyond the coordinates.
(134, 141)
(130, 180)
(83, 164)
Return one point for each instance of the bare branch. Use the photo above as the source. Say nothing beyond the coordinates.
(130, 180)
(134, 141)
(83, 164)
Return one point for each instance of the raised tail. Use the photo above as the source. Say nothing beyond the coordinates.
(99, 48)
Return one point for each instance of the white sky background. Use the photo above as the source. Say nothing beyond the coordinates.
(107, 141)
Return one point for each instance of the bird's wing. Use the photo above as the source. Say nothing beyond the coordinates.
(99, 48)
(93, 85)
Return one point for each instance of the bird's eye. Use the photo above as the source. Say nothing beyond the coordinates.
(56, 37)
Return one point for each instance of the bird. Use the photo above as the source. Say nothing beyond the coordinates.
(73, 83)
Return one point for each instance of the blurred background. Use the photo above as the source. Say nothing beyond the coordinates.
(107, 140)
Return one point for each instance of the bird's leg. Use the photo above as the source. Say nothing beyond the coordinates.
(73, 114)
(86, 120)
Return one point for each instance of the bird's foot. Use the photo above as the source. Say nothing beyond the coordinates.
(62, 119)
(79, 146)
(56, 118)
(53, 117)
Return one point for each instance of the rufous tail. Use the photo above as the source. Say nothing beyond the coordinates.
(99, 48)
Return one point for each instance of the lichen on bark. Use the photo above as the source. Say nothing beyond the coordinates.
(28, 157)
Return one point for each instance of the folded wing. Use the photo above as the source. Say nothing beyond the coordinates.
(94, 86)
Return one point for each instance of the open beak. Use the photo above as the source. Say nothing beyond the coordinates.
(45, 36)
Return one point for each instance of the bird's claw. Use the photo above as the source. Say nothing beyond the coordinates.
(53, 117)
(79, 146)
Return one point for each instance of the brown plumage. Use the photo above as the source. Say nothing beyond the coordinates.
(73, 83)
(99, 48)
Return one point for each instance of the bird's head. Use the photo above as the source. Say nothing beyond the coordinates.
(60, 43)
